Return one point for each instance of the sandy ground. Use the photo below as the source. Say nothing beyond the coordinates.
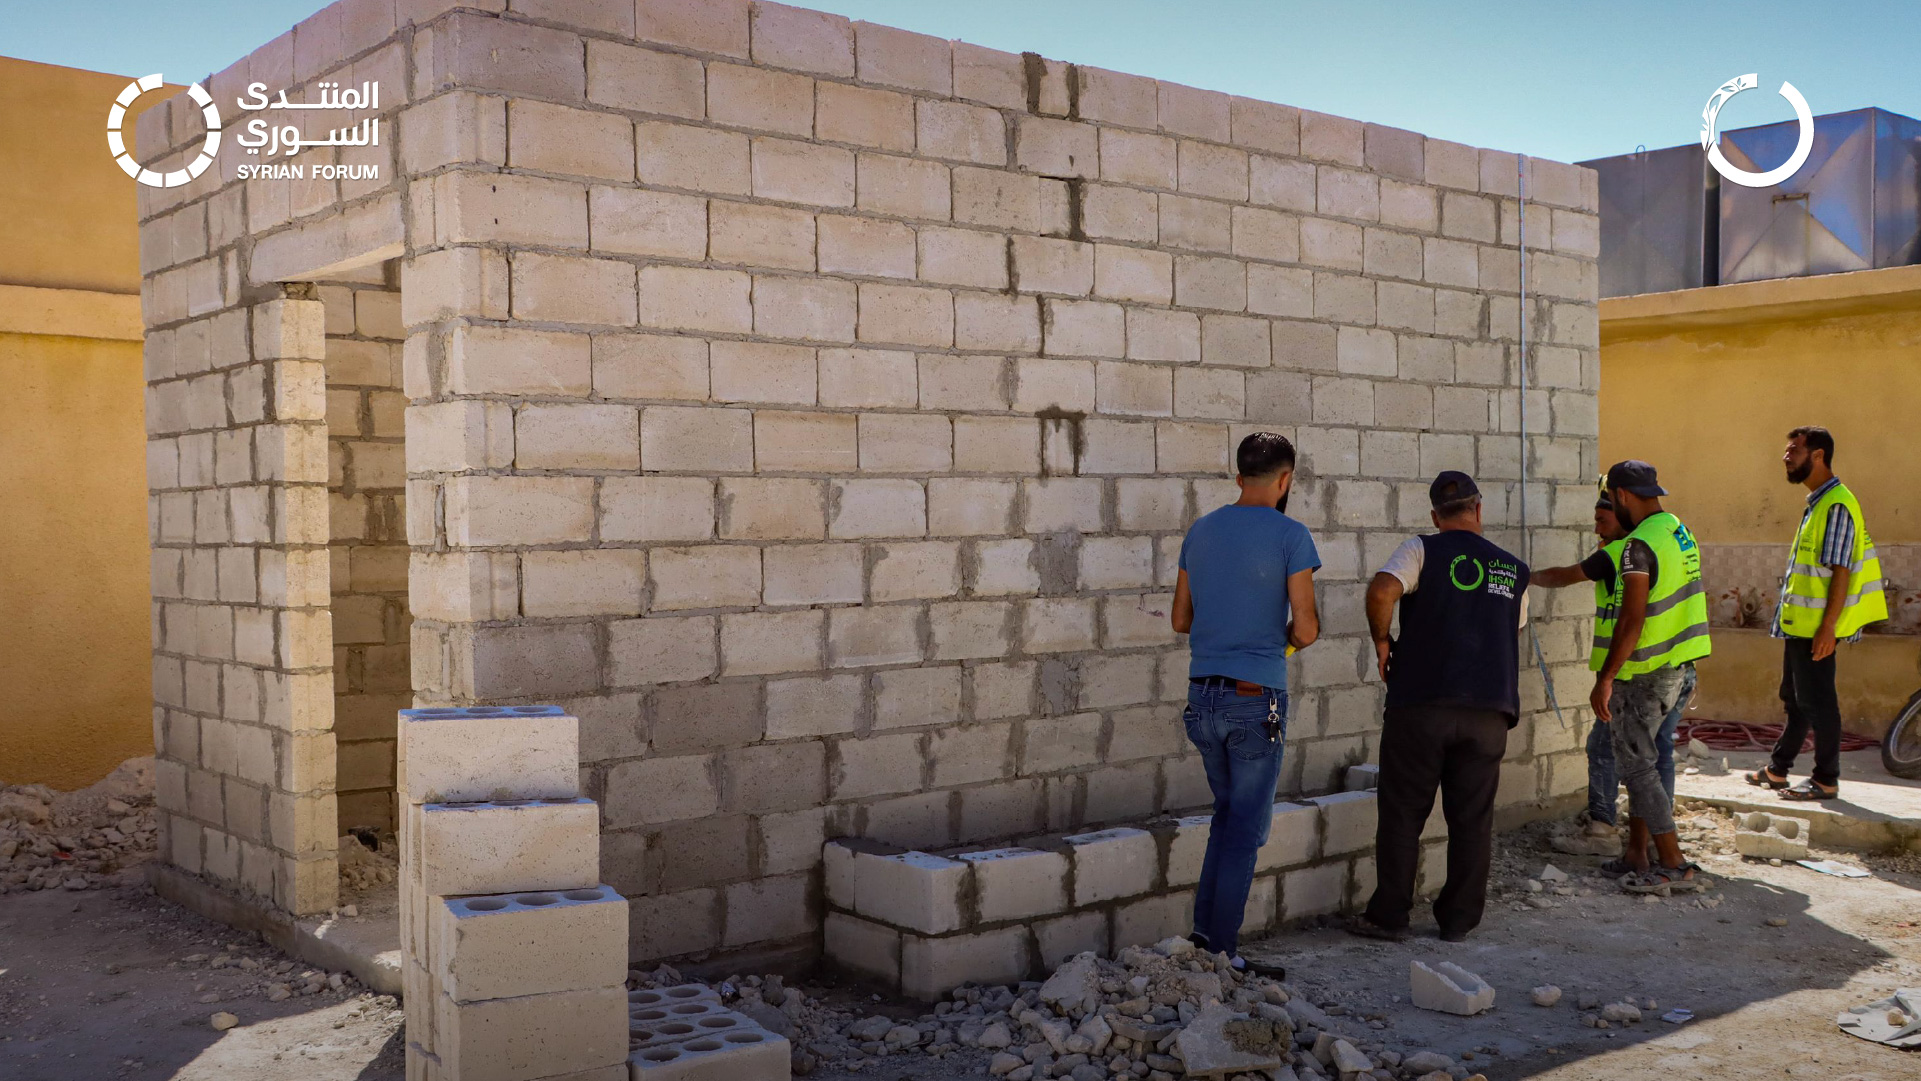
(97, 985)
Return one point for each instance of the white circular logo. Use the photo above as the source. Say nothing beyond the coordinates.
(116, 143)
(1711, 137)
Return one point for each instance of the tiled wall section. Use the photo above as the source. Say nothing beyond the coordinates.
(815, 408)
(1744, 584)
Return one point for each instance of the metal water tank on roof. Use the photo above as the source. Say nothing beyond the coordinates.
(1854, 205)
(1668, 221)
(1657, 221)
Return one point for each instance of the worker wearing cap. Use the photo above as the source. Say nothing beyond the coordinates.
(1660, 625)
(1597, 820)
(1453, 692)
(1831, 589)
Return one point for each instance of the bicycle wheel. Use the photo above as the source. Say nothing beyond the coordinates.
(1901, 747)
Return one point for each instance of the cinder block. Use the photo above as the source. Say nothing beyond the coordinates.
(1071, 935)
(506, 945)
(750, 1054)
(1152, 919)
(862, 947)
(1348, 820)
(671, 996)
(679, 1022)
(476, 753)
(931, 967)
(1363, 778)
(1113, 863)
(1448, 988)
(1017, 883)
(502, 847)
(1313, 891)
(1772, 837)
(912, 890)
(508, 1039)
(1188, 849)
(1293, 837)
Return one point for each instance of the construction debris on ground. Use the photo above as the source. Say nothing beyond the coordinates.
(88, 839)
(1154, 1013)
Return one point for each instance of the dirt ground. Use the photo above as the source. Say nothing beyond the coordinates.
(1764, 997)
(98, 984)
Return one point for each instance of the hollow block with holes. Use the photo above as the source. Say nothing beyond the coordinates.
(509, 944)
(514, 953)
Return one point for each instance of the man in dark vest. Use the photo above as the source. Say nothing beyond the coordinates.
(1453, 691)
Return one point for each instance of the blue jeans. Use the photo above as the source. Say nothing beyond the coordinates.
(1602, 783)
(1243, 766)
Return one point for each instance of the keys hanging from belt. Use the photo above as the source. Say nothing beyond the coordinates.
(1272, 726)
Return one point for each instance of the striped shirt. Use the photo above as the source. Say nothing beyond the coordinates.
(1837, 548)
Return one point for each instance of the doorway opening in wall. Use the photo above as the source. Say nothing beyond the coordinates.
(366, 495)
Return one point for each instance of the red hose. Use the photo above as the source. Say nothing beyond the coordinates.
(1740, 736)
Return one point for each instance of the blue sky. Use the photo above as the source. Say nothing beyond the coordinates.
(1556, 78)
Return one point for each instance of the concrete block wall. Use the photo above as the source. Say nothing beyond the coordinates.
(814, 409)
(236, 456)
(925, 923)
(366, 501)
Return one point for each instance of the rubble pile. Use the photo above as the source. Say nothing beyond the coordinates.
(87, 839)
(269, 975)
(362, 868)
(1151, 1014)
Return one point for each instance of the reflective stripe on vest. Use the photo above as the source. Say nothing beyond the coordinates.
(1675, 629)
(1804, 596)
(1604, 610)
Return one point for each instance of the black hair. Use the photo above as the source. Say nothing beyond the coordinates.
(1264, 454)
(1816, 438)
(1456, 507)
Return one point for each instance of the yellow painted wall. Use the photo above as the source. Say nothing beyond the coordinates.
(74, 639)
(67, 215)
(1706, 383)
(74, 622)
(1711, 408)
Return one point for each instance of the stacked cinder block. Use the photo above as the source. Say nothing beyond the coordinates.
(926, 923)
(515, 953)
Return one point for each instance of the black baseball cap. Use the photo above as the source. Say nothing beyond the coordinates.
(1636, 476)
(1451, 486)
(1602, 501)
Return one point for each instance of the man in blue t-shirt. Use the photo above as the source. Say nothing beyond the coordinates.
(1246, 568)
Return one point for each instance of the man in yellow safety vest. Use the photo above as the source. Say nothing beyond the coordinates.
(1831, 589)
(1660, 625)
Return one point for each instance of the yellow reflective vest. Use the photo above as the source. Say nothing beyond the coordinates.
(1675, 630)
(1605, 609)
(1804, 595)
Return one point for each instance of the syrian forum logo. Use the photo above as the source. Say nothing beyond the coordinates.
(1711, 136)
(283, 140)
(117, 143)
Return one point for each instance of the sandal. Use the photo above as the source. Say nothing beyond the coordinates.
(1366, 928)
(1621, 866)
(1687, 878)
(1807, 791)
(1764, 777)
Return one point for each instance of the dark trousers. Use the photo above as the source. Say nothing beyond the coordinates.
(1807, 690)
(1459, 751)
